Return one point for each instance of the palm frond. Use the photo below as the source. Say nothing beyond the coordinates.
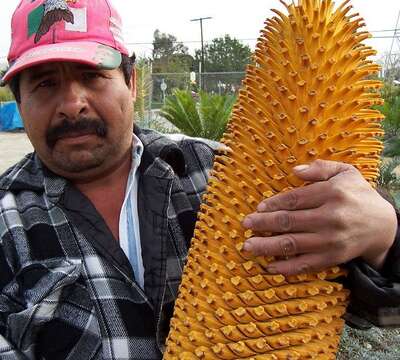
(215, 111)
(207, 118)
(180, 109)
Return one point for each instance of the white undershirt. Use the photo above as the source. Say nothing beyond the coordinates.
(129, 234)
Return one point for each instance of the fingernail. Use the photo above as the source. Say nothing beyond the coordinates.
(247, 223)
(261, 207)
(272, 270)
(304, 269)
(247, 246)
(301, 168)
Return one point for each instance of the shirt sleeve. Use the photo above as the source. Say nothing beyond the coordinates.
(375, 295)
(9, 304)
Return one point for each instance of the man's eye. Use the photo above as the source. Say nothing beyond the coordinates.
(46, 83)
(91, 75)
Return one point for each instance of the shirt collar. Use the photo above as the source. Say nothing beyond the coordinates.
(137, 151)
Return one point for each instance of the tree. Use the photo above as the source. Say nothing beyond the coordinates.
(165, 45)
(169, 55)
(224, 54)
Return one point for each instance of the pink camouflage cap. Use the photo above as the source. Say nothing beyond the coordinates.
(84, 31)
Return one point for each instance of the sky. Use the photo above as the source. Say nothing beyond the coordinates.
(240, 19)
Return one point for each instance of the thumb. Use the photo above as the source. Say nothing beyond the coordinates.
(321, 170)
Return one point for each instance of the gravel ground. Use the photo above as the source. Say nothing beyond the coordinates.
(13, 146)
(372, 344)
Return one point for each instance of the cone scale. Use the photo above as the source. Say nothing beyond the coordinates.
(307, 96)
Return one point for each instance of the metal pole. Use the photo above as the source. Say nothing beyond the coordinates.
(202, 47)
(200, 77)
(202, 44)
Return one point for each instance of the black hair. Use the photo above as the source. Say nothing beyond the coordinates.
(127, 65)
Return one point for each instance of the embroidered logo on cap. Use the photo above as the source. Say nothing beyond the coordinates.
(41, 19)
(80, 20)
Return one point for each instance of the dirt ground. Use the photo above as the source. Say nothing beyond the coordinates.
(13, 146)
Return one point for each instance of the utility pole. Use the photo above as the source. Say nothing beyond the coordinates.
(202, 47)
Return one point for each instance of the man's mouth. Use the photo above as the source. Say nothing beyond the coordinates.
(76, 138)
(76, 132)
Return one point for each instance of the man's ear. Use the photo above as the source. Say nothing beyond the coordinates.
(133, 84)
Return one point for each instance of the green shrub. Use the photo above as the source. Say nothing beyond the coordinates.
(5, 94)
(204, 117)
(388, 179)
(391, 124)
(144, 88)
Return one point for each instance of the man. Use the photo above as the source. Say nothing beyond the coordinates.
(95, 225)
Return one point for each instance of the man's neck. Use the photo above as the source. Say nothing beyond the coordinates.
(107, 193)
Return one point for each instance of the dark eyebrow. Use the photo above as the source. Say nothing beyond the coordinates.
(87, 67)
(38, 74)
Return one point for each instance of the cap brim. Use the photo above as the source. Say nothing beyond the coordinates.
(90, 53)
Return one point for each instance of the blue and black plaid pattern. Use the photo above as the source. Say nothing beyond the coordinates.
(67, 290)
(63, 295)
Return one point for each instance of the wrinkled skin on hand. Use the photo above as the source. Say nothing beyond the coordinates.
(337, 218)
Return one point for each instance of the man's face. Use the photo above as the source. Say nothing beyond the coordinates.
(78, 118)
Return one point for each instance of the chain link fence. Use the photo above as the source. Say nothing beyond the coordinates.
(164, 84)
(221, 83)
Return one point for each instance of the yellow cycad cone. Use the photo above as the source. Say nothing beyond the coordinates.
(306, 97)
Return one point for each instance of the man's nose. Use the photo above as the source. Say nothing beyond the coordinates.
(72, 101)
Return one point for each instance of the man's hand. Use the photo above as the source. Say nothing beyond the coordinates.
(337, 218)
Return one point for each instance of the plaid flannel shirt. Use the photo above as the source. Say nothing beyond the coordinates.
(66, 288)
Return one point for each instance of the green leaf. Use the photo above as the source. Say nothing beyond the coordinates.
(180, 109)
(207, 118)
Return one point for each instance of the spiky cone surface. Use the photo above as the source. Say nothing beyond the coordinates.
(306, 97)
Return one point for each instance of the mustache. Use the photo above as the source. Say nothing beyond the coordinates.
(79, 127)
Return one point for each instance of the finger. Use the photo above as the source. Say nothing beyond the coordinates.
(321, 170)
(302, 264)
(285, 245)
(307, 197)
(285, 221)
